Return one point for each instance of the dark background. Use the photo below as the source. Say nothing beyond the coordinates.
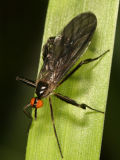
(21, 36)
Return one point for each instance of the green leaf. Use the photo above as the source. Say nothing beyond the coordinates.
(79, 131)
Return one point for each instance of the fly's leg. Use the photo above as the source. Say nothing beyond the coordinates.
(53, 122)
(35, 113)
(71, 101)
(86, 61)
(26, 81)
(28, 115)
(26, 112)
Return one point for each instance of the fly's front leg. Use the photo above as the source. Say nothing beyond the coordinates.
(26, 112)
(35, 113)
(71, 101)
(26, 81)
(28, 115)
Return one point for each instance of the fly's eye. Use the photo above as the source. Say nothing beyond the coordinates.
(32, 101)
(39, 103)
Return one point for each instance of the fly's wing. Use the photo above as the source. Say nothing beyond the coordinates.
(61, 52)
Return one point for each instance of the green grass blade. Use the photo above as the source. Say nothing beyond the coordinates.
(80, 132)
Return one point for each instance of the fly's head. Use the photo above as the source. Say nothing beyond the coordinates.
(36, 103)
(41, 89)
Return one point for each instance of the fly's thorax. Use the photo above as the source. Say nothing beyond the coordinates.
(41, 89)
(44, 89)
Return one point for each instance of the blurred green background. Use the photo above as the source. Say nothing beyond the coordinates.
(22, 24)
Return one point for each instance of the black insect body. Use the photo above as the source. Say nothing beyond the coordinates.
(60, 53)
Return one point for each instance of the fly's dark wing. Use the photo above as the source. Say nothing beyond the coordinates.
(61, 52)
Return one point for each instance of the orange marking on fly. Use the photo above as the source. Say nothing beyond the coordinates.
(37, 102)
(32, 101)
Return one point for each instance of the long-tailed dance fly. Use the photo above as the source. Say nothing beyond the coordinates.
(60, 53)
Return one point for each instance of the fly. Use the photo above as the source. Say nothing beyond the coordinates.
(60, 53)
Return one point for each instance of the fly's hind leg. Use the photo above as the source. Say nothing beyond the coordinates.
(86, 61)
